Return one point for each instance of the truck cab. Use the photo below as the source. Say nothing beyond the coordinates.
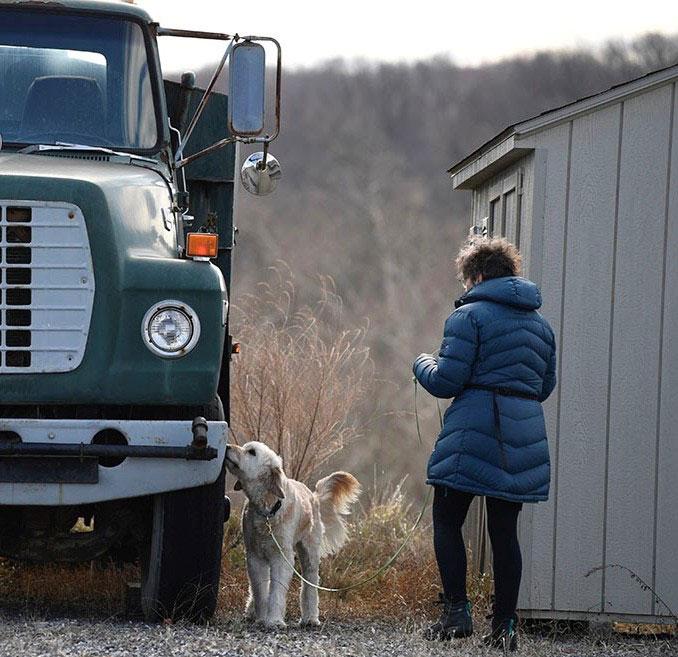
(115, 260)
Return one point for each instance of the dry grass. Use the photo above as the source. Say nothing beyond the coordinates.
(405, 591)
(301, 384)
(88, 588)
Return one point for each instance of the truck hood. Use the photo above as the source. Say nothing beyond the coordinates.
(87, 166)
(136, 199)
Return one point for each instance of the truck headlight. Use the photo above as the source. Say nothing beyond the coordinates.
(170, 329)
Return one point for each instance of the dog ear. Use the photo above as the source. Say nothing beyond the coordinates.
(237, 485)
(276, 483)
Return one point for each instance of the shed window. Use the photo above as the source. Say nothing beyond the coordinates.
(519, 217)
(508, 216)
(495, 213)
(506, 208)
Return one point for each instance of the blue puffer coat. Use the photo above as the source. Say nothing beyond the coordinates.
(493, 444)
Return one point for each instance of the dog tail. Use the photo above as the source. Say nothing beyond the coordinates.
(335, 494)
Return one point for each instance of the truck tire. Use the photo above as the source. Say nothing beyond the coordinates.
(181, 561)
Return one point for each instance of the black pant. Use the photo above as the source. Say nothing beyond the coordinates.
(449, 512)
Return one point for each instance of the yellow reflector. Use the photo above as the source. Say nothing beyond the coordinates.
(202, 245)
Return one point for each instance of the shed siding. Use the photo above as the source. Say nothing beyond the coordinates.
(584, 340)
(635, 350)
(548, 210)
(665, 581)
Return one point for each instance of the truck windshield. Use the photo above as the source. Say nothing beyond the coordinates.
(76, 79)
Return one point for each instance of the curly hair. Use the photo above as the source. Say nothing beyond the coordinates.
(489, 258)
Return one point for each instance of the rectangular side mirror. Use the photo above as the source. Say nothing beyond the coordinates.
(246, 89)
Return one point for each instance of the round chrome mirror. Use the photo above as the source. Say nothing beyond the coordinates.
(260, 179)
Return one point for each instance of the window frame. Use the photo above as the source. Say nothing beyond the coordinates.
(497, 216)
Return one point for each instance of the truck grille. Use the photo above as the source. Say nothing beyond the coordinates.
(46, 287)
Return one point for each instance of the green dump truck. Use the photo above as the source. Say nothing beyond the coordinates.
(116, 236)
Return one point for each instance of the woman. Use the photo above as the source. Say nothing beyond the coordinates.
(498, 361)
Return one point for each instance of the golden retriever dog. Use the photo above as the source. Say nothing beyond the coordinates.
(308, 523)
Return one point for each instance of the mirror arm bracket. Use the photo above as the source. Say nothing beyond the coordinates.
(220, 144)
(193, 34)
(203, 101)
(262, 164)
(178, 164)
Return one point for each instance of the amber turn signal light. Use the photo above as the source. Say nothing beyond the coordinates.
(202, 245)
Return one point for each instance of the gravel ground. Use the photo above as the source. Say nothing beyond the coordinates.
(27, 636)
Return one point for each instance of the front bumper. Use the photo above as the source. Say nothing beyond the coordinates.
(173, 469)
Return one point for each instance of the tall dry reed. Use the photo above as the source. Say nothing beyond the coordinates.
(302, 381)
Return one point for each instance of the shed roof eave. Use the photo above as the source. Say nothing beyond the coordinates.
(478, 152)
(478, 169)
(458, 171)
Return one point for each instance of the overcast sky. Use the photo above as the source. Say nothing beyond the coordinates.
(468, 32)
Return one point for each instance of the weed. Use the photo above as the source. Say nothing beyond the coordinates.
(302, 381)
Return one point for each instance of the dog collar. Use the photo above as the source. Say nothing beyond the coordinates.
(267, 515)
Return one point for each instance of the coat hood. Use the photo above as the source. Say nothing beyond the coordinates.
(508, 290)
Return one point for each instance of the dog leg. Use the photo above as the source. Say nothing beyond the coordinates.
(281, 576)
(310, 564)
(259, 576)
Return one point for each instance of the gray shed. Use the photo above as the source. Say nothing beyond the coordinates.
(589, 192)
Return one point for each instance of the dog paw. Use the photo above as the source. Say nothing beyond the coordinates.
(309, 622)
(275, 624)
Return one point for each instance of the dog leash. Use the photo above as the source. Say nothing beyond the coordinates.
(384, 567)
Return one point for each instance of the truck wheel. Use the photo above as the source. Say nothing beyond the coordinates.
(181, 561)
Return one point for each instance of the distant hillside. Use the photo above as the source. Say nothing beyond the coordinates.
(365, 197)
